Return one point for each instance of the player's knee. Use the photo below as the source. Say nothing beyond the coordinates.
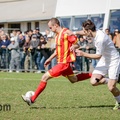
(72, 82)
(72, 79)
(93, 82)
(45, 77)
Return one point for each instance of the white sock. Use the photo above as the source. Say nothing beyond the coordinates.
(118, 99)
(106, 80)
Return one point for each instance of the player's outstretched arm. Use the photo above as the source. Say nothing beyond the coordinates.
(84, 54)
(81, 32)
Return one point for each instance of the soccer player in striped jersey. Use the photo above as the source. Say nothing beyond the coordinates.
(65, 54)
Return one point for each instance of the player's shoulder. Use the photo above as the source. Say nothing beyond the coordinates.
(100, 35)
(66, 31)
(100, 32)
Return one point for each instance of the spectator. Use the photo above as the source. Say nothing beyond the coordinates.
(26, 48)
(48, 34)
(19, 32)
(29, 33)
(21, 41)
(41, 55)
(15, 55)
(116, 38)
(34, 32)
(2, 32)
(38, 33)
(3, 51)
(14, 35)
(107, 31)
(26, 33)
(33, 46)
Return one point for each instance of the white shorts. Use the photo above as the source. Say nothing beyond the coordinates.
(112, 69)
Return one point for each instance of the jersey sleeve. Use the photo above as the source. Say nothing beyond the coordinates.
(73, 39)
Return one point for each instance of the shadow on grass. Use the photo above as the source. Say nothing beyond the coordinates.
(77, 107)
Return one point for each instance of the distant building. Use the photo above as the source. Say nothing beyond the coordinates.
(29, 14)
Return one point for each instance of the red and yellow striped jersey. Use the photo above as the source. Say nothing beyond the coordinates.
(63, 44)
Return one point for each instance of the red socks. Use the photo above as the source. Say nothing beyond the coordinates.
(40, 88)
(83, 76)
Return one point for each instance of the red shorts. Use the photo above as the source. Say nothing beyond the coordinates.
(63, 69)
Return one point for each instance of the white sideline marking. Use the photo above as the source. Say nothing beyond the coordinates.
(30, 79)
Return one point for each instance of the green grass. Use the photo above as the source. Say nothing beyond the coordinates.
(61, 100)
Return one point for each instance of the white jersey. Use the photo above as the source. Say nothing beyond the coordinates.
(105, 47)
(109, 63)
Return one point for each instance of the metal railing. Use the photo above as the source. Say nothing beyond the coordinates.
(5, 57)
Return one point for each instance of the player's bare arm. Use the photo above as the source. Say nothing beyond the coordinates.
(50, 58)
(84, 54)
(81, 32)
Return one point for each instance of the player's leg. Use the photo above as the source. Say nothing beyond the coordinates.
(115, 91)
(98, 74)
(72, 78)
(39, 89)
(79, 77)
(95, 80)
(54, 72)
(68, 72)
(83, 76)
(98, 79)
(41, 86)
(114, 75)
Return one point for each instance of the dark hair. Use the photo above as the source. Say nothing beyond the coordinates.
(42, 37)
(89, 25)
(19, 31)
(54, 21)
(107, 29)
(30, 30)
(80, 36)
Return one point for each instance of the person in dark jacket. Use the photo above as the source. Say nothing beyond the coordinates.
(33, 46)
(3, 50)
(21, 41)
(26, 48)
(41, 54)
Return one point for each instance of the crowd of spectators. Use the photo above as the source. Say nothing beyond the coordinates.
(28, 51)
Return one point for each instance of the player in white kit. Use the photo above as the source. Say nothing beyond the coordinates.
(109, 59)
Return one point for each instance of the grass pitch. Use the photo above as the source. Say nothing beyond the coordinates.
(61, 100)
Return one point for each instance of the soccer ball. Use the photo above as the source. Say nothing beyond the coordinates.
(29, 94)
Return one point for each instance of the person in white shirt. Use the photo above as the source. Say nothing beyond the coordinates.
(109, 59)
